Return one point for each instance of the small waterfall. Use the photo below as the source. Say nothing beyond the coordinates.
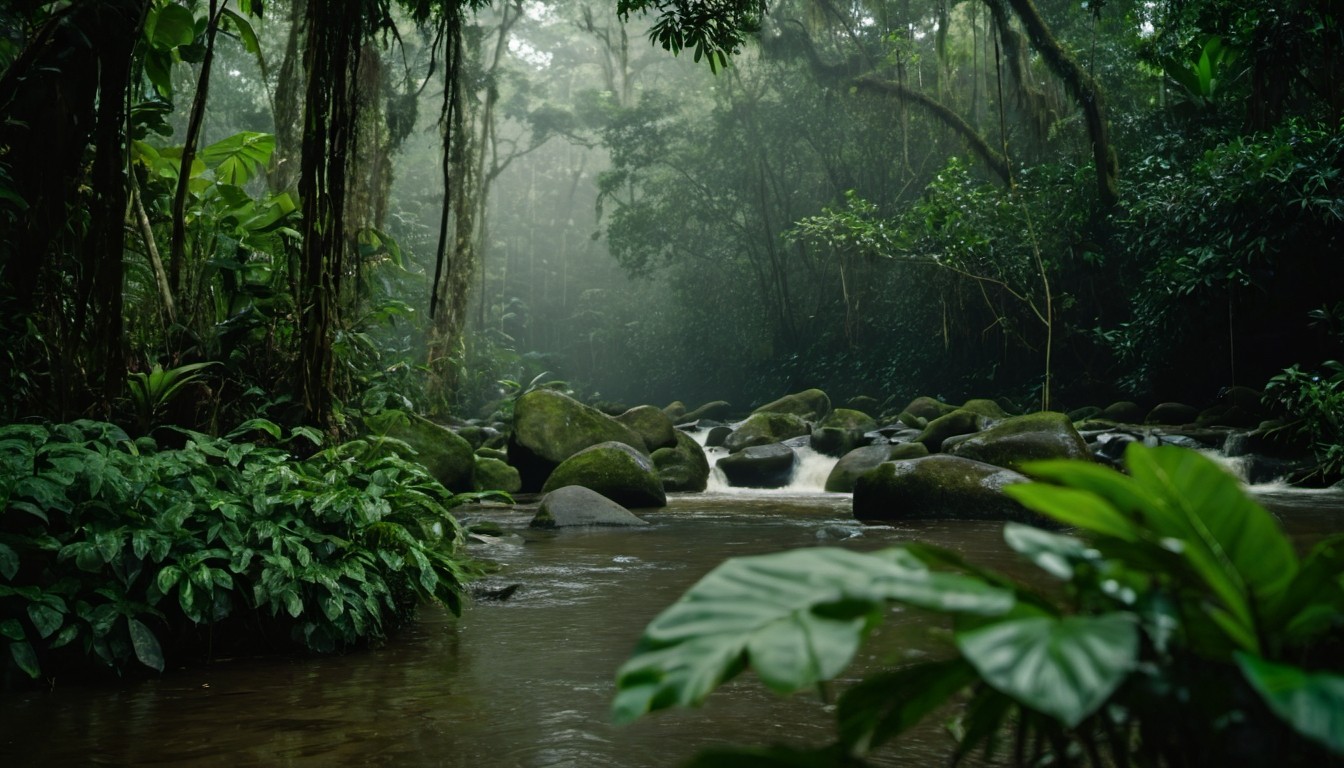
(810, 470)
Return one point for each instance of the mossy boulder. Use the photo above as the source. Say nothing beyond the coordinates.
(810, 404)
(1172, 413)
(682, 467)
(576, 506)
(760, 466)
(615, 470)
(765, 429)
(492, 453)
(938, 487)
(1020, 439)
(715, 409)
(927, 408)
(717, 435)
(860, 460)
(1085, 413)
(864, 404)
(446, 455)
(495, 475)
(958, 422)
(652, 425)
(841, 432)
(549, 427)
(1124, 412)
(987, 408)
(675, 410)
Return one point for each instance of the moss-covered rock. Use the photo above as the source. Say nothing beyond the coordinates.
(940, 487)
(1085, 413)
(549, 427)
(860, 460)
(958, 422)
(864, 404)
(810, 404)
(576, 506)
(652, 425)
(683, 467)
(717, 435)
(928, 408)
(715, 409)
(912, 421)
(445, 454)
(492, 453)
(615, 470)
(765, 429)
(1124, 412)
(760, 466)
(1172, 413)
(1020, 439)
(841, 431)
(987, 408)
(675, 410)
(495, 475)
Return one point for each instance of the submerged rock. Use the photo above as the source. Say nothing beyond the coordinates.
(938, 487)
(765, 429)
(761, 466)
(614, 470)
(810, 404)
(549, 427)
(860, 460)
(683, 467)
(574, 505)
(1021, 439)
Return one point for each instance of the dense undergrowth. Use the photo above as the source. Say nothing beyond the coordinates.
(125, 552)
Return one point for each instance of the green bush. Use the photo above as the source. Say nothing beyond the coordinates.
(1183, 630)
(1314, 404)
(114, 550)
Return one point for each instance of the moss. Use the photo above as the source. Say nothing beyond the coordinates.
(811, 404)
(1015, 441)
(764, 429)
(444, 453)
(495, 475)
(958, 422)
(614, 470)
(651, 424)
(940, 487)
(684, 467)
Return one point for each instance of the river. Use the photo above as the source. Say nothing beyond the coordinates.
(524, 682)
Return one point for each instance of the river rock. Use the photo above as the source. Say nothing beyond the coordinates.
(987, 408)
(860, 460)
(1020, 439)
(864, 404)
(676, 411)
(574, 505)
(495, 475)
(760, 466)
(841, 431)
(716, 409)
(682, 467)
(1124, 412)
(1085, 413)
(615, 470)
(810, 405)
(652, 425)
(716, 436)
(958, 422)
(765, 429)
(549, 427)
(1172, 413)
(939, 487)
(446, 455)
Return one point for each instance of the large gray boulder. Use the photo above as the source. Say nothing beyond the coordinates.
(847, 470)
(810, 404)
(652, 425)
(549, 427)
(615, 470)
(765, 429)
(1021, 439)
(575, 505)
(682, 467)
(760, 466)
(446, 455)
(841, 431)
(938, 487)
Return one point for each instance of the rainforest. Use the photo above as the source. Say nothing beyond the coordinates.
(881, 382)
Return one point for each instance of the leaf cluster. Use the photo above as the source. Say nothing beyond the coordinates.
(1182, 628)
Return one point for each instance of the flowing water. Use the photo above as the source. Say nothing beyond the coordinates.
(524, 682)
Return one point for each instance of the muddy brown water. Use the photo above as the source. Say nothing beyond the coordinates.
(523, 683)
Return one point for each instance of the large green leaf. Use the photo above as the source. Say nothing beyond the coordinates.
(1311, 702)
(1074, 506)
(9, 562)
(1064, 667)
(1053, 553)
(170, 26)
(145, 644)
(797, 618)
(238, 158)
(885, 705)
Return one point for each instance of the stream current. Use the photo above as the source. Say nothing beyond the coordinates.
(525, 682)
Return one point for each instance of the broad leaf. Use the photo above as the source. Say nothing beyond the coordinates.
(1065, 667)
(1076, 507)
(9, 562)
(885, 705)
(25, 658)
(796, 617)
(1051, 552)
(239, 157)
(1311, 702)
(171, 26)
(145, 644)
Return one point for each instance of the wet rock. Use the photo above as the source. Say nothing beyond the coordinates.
(549, 427)
(652, 425)
(683, 467)
(615, 470)
(927, 408)
(1021, 439)
(574, 505)
(495, 475)
(1172, 413)
(1085, 413)
(959, 422)
(1124, 412)
(841, 431)
(764, 429)
(810, 405)
(939, 487)
(676, 411)
(761, 466)
(717, 436)
(990, 409)
(717, 409)
(860, 460)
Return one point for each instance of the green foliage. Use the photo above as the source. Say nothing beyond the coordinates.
(1314, 404)
(1204, 75)
(115, 551)
(151, 393)
(1182, 626)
